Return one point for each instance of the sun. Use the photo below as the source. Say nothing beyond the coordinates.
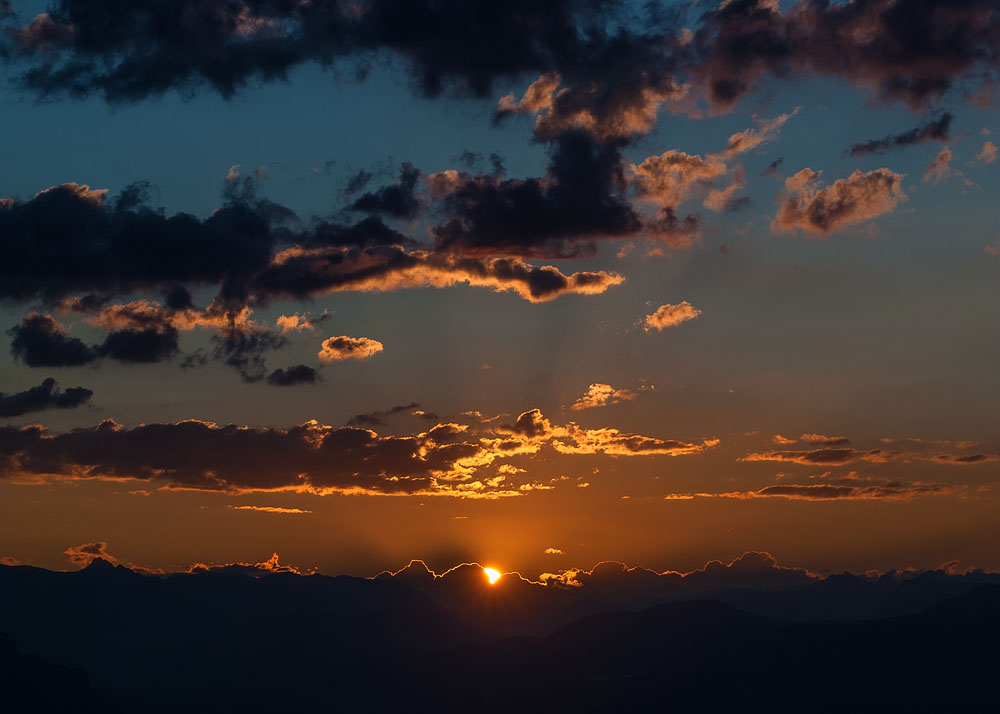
(492, 575)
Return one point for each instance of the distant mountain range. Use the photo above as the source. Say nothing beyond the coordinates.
(108, 639)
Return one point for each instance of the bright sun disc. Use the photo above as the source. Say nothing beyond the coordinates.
(492, 574)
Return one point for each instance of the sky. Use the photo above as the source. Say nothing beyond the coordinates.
(528, 284)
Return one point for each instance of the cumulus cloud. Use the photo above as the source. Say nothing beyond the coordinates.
(670, 316)
(806, 206)
(342, 348)
(46, 395)
(599, 395)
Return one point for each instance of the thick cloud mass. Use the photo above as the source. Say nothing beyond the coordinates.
(70, 241)
(614, 64)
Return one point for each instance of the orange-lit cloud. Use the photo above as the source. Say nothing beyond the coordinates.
(670, 316)
(804, 205)
(987, 154)
(599, 395)
(940, 168)
(268, 567)
(575, 108)
(449, 459)
(766, 131)
(675, 176)
(342, 348)
(272, 509)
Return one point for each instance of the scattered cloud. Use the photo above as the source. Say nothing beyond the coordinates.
(599, 395)
(343, 348)
(670, 316)
(46, 395)
(933, 130)
(804, 205)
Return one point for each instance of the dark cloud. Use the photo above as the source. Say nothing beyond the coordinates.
(397, 200)
(606, 65)
(141, 346)
(244, 350)
(40, 341)
(45, 396)
(126, 51)
(839, 456)
(70, 240)
(934, 130)
(202, 455)
(772, 168)
(829, 486)
(581, 200)
(357, 182)
(378, 418)
(291, 376)
(908, 50)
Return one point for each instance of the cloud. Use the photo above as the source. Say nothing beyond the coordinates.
(86, 553)
(398, 200)
(600, 66)
(300, 323)
(343, 348)
(581, 200)
(45, 396)
(933, 130)
(766, 131)
(40, 341)
(670, 316)
(607, 103)
(248, 249)
(552, 551)
(292, 376)
(674, 176)
(828, 487)
(905, 50)
(273, 509)
(599, 395)
(940, 168)
(447, 459)
(204, 456)
(859, 197)
(255, 570)
(987, 154)
(378, 418)
(812, 439)
(839, 456)
(532, 429)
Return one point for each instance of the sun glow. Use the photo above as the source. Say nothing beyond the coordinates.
(492, 575)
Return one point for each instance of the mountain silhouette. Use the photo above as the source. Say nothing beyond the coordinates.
(237, 641)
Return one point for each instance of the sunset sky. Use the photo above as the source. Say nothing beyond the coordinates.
(529, 284)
